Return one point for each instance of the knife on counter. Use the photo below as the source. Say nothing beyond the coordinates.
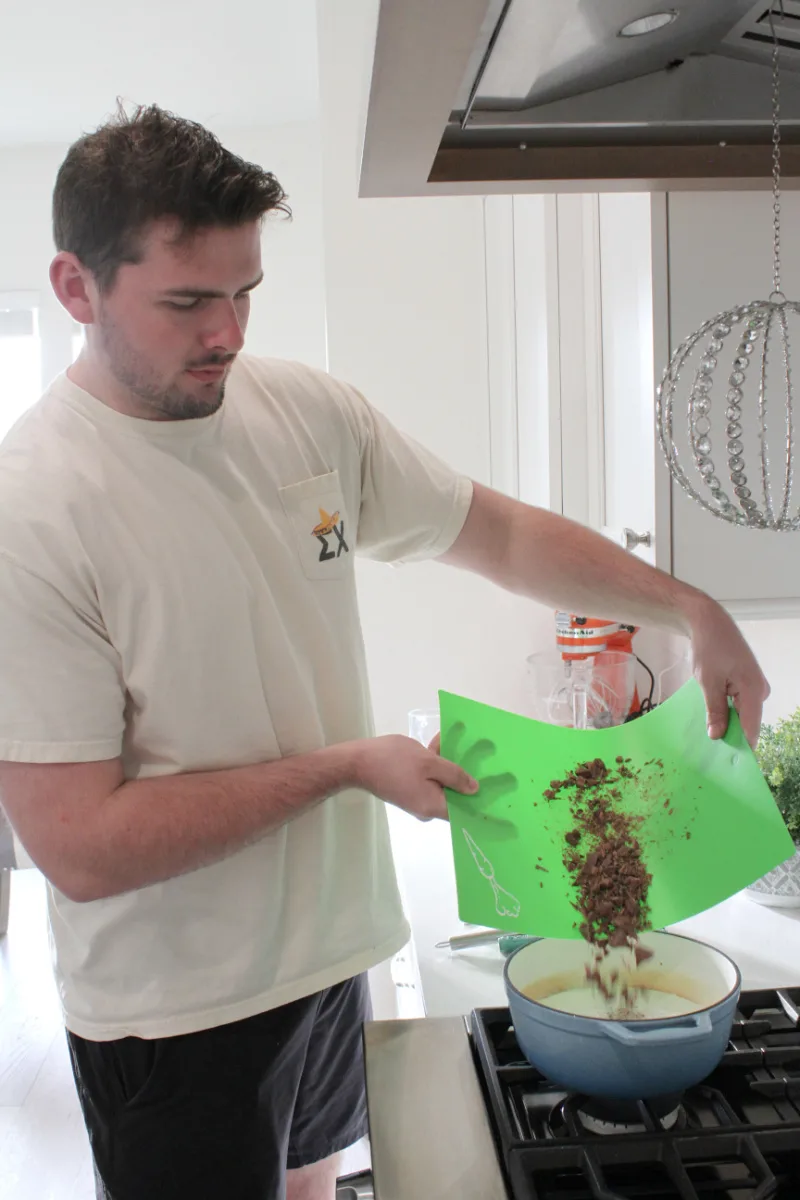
(505, 941)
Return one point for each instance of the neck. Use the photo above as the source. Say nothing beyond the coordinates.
(93, 376)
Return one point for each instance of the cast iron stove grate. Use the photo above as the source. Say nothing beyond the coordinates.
(734, 1137)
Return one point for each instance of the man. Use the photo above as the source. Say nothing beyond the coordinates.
(184, 718)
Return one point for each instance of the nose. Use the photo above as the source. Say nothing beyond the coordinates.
(226, 329)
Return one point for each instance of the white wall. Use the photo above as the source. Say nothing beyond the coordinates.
(288, 314)
(26, 245)
(777, 647)
(405, 283)
(405, 287)
(288, 317)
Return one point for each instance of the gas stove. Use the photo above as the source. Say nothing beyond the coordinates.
(734, 1137)
(456, 1113)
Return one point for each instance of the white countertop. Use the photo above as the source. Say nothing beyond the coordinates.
(764, 942)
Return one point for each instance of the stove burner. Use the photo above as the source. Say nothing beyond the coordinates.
(736, 1136)
(576, 1116)
(601, 1117)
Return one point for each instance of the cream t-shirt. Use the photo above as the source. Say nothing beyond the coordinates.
(182, 593)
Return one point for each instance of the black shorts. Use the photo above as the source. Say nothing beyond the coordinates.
(224, 1112)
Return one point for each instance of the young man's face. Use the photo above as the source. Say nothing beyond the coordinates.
(172, 324)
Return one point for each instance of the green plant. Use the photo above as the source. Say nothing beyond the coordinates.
(778, 754)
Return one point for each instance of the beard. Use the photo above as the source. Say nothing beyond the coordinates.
(166, 401)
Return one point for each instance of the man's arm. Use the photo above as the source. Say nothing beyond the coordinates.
(94, 834)
(559, 563)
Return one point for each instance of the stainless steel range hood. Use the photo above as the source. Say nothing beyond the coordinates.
(551, 95)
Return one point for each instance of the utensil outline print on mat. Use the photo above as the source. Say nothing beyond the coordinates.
(506, 904)
(492, 788)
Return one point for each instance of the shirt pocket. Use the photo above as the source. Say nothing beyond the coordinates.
(323, 535)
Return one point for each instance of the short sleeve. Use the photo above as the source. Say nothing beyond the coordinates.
(413, 506)
(62, 698)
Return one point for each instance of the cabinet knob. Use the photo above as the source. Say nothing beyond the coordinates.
(631, 539)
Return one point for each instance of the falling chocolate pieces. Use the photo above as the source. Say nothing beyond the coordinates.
(603, 854)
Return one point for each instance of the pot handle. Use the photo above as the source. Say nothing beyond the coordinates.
(689, 1028)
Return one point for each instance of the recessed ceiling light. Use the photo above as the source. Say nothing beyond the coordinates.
(648, 24)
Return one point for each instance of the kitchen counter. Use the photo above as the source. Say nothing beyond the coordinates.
(764, 942)
(429, 1133)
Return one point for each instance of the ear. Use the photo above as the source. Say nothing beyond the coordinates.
(74, 286)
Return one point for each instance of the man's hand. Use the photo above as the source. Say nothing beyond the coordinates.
(402, 772)
(565, 566)
(725, 666)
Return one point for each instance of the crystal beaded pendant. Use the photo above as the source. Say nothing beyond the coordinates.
(738, 427)
(733, 379)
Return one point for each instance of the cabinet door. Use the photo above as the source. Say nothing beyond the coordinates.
(544, 327)
(720, 255)
(523, 348)
(612, 322)
(577, 319)
(628, 226)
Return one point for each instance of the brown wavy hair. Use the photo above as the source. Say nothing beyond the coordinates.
(134, 170)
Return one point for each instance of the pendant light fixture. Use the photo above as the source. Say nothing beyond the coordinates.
(732, 378)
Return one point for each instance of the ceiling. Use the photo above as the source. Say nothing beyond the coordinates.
(238, 63)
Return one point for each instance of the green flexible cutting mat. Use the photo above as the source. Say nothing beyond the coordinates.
(710, 824)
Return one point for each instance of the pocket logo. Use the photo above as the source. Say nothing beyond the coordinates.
(330, 530)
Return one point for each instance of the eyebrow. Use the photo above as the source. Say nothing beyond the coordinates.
(209, 293)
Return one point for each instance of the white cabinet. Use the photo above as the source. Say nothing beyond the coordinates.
(629, 315)
(571, 327)
(523, 347)
(587, 295)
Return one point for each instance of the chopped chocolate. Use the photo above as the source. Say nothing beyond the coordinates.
(604, 855)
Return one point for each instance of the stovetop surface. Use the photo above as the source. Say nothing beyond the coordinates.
(736, 1136)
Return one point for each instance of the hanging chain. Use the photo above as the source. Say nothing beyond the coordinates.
(776, 152)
